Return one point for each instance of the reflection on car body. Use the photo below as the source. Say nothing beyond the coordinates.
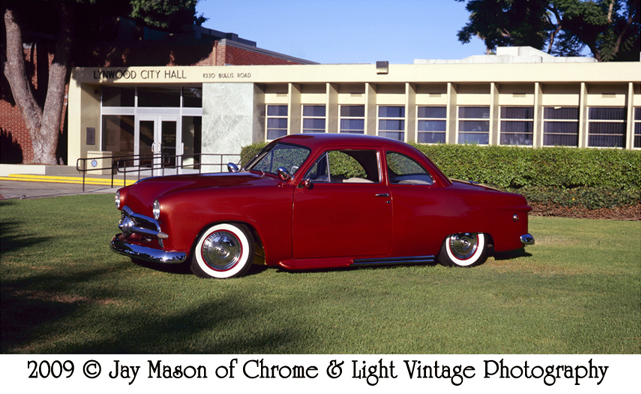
(313, 201)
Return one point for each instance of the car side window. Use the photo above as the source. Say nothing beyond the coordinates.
(346, 166)
(402, 169)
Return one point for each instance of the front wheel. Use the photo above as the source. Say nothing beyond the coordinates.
(463, 250)
(223, 251)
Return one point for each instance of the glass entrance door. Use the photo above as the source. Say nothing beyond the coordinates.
(157, 142)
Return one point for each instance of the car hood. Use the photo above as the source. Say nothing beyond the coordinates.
(471, 185)
(144, 192)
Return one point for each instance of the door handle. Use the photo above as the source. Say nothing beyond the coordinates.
(382, 195)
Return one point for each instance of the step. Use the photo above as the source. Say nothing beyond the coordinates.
(66, 179)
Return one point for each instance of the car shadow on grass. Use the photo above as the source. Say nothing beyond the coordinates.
(510, 255)
(184, 268)
(356, 268)
(179, 269)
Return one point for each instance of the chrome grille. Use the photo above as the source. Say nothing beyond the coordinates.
(131, 222)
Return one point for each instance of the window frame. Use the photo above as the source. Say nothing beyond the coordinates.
(420, 119)
(400, 119)
(407, 181)
(315, 117)
(325, 157)
(636, 128)
(596, 121)
(342, 117)
(504, 121)
(554, 120)
(460, 120)
(268, 117)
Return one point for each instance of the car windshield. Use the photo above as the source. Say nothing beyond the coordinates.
(279, 155)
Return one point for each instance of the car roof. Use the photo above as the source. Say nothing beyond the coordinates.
(316, 140)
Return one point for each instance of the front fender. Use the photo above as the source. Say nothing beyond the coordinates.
(268, 210)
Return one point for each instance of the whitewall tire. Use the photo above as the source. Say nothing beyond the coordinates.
(223, 251)
(463, 250)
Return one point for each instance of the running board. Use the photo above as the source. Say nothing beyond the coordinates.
(395, 260)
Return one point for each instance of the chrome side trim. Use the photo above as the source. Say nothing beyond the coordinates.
(527, 239)
(395, 260)
(145, 253)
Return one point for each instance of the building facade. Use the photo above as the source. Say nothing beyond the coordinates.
(140, 110)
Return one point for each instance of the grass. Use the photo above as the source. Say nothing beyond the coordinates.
(578, 290)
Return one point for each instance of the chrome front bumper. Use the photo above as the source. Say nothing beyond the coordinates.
(527, 239)
(145, 253)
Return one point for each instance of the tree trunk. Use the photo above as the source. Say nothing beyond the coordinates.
(43, 125)
(14, 70)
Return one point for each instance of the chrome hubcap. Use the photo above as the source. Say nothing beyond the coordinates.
(463, 246)
(221, 250)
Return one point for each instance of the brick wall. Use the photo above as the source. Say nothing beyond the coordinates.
(15, 142)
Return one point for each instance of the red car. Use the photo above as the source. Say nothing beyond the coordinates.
(311, 201)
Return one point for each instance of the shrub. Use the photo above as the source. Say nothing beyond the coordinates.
(248, 152)
(517, 167)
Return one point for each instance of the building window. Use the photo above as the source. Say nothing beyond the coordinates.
(314, 118)
(474, 125)
(352, 119)
(431, 124)
(637, 127)
(391, 122)
(517, 125)
(606, 127)
(561, 126)
(189, 97)
(193, 97)
(164, 97)
(118, 97)
(118, 134)
(276, 121)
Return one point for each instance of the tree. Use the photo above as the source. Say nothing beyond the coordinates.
(609, 28)
(66, 20)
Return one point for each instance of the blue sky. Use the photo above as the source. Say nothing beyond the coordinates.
(347, 31)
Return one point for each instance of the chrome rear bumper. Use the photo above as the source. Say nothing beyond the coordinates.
(144, 253)
(527, 239)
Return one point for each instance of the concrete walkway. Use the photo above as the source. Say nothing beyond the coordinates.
(21, 189)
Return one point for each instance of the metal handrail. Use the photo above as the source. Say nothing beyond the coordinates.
(153, 162)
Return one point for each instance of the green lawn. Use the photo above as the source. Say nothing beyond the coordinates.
(578, 290)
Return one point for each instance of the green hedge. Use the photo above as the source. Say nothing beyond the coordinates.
(514, 167)
(593, 178)
(248, 152)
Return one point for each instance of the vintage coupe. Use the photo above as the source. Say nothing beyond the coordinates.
(313, 201)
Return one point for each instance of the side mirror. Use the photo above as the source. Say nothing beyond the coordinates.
(231, 167)
(306, 183)
(283, 174)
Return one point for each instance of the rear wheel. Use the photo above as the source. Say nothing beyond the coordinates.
(463, 250)
(223, 251)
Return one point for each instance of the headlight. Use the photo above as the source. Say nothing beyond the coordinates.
(156, 210)
(118, 199)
